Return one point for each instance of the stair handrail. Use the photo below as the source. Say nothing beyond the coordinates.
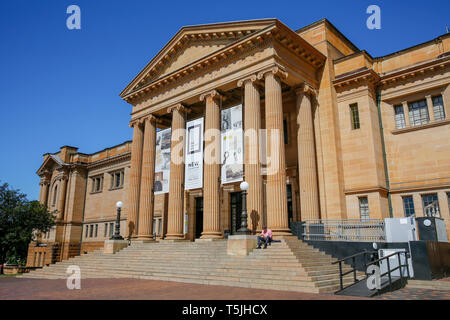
(353, 257)
(389, 271)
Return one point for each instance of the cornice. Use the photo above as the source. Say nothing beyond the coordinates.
(109, 161)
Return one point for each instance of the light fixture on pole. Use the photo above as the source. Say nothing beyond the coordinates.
(117, 235)
(243, 229)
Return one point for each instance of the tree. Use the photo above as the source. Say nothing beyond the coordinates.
(19, 218)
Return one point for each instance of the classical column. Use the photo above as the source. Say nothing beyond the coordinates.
(135, 178)
(145, 231)
(276, 193)
(175, 218)
(252, 165)
(211, 209)
(307, 169)
(62, 196)
(43, 194)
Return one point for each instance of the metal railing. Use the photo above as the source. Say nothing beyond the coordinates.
(374, 262)
(344, 230)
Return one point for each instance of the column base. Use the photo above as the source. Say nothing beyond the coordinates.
(241, 245)
(211, 235)
(208, 239)
(174, 237)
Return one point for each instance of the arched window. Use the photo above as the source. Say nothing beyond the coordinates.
(55, 191)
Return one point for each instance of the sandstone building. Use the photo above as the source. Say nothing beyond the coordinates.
(361, 137)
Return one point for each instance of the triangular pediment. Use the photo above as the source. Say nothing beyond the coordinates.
(193, 43)
(50, 163)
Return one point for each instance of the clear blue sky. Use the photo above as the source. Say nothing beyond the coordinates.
(61, 87)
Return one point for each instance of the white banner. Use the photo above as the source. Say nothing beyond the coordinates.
(162, 161)
(194, 155)
(232, 145)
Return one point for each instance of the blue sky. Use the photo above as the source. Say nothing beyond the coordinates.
(61, 87)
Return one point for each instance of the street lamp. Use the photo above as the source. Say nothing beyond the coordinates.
(243, 229)
(117, 235)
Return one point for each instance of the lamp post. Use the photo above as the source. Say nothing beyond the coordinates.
(243, 229)
(117, 235)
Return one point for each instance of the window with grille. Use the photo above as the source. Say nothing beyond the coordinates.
(87, 231)
(418, 112)
(431, 205)
(97, 184)
(408, 206)
(96, 230)
(364, 208)
(354, 114)
(438, 108)
(91, 231)
(400, 122)
(111, 228)
(105, 232)
(117, 179)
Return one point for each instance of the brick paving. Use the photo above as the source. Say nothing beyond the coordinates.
(126, 289)
(416, 294)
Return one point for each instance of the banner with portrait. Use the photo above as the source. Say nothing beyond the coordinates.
(193, 172)
(232, 146)
(162, 161)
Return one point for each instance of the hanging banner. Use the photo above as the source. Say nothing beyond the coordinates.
(232, 145)
(162, 161)
(194, 155)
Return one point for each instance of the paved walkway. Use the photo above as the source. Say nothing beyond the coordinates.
(126, 289)
(416, 294)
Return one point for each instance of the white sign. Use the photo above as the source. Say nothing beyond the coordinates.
(232, 147)
(194, 155)
(162, 161)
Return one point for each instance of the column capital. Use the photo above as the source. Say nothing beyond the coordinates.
(180, 107)
(305, 89)
(135, 122)
(214, 94)
(151, 118)
(252, 78)
(275, 70)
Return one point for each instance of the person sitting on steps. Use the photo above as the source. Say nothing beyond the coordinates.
(266, 237)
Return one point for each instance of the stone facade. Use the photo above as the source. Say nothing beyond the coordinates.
(360, 137)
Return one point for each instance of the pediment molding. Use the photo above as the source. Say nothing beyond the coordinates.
(153, 79)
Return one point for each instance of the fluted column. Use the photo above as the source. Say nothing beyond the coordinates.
(43, 194)
(309, 194)
(135, 178)
(145, 231)
(277, 214)
(62, 197)
(175, 217)
(252, 165)
(211, 209)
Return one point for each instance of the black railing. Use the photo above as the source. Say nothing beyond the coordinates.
(373, 262)
(353, 265)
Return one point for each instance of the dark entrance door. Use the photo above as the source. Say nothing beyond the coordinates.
(236, 209)
(198, 217)
(289, 205)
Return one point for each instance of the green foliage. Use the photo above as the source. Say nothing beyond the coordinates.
(19, 217)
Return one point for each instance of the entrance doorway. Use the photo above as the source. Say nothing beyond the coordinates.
(289, 205)
(198, 217)
(236, 210)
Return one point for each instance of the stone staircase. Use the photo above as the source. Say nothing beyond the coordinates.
(287, 265)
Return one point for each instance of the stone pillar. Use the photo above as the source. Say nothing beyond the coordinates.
(309, 194)
(145, 231)
(252, 165)
(62, 197)
(135, 178)
(277, 214)
(175, 219)
(43, 194)
(211, 207)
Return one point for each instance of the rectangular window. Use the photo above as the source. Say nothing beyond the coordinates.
(438, 108)
(285, 131)
(91, 231)
(97, 184)
(96, 230)
(408, 206)
(111, 228)
(418, 113)
(159, 226)
(87, 231)
(448, 200)
(105, 233)
(431, 205)
(117, 179)
(400, 122)
(354, 114)
(364, 208)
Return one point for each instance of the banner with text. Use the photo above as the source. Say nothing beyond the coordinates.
(162, 161)
(232, 148)
(194, 155)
